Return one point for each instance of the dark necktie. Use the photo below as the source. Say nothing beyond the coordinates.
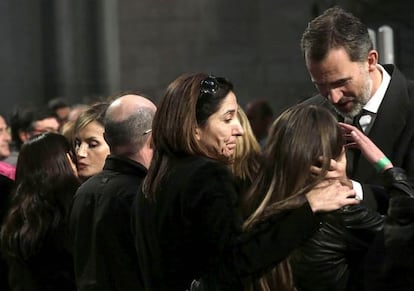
(364, 121)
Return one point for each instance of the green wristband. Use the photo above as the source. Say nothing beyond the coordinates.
(381, 164)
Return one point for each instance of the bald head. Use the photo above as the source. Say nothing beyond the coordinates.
(128, 121)
(125, 106)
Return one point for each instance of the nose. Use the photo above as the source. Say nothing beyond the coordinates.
(81, 151)
(335, 94)
(237, 129)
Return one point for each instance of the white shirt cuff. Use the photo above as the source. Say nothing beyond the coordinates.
(358, 189)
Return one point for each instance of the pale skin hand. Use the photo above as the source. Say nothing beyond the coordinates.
(359, 140)
(337, 170)
(330, 195)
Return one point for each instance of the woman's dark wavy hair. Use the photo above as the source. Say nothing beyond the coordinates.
(181, 111)
(45, 184)
(297, 140)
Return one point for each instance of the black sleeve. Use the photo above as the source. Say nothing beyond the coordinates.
(245, 254)
(399, 231)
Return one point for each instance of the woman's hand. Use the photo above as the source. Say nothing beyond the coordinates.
(359, 140)
(330, 195)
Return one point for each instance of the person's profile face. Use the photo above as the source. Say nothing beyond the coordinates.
(5, 139)
(346, 84)
(91, 149)
(222, 128)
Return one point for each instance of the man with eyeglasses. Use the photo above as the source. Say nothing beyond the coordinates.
(27, 122)
(103, 246)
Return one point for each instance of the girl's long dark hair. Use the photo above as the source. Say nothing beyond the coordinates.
(297, 140)
(45, 185)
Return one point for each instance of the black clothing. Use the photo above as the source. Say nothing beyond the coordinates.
(392, 132)
(326, 261)
(51, 269)
(194, 230)
(6, 186)
(331, 259)
(103, 247)
(398, 238)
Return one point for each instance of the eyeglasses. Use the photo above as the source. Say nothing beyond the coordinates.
(37, 131)
(147, 131)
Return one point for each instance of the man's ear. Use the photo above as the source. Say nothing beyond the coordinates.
(149, 141)
(372, 59)
(24, 136)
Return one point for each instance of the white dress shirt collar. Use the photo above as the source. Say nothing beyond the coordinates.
(375, 101)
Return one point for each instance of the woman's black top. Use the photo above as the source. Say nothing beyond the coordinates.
(194, 229)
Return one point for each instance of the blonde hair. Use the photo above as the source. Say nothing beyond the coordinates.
(245, 162)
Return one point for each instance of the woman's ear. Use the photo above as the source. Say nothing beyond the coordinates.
(198, 133)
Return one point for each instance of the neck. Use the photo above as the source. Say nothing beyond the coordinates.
(376, 76)
(143, 157)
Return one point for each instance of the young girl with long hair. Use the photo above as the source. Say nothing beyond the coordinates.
(34, 231)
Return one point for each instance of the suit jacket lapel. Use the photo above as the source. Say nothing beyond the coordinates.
(389, 123)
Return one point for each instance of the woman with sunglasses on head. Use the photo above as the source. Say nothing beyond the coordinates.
(34, 232)
(186, 218)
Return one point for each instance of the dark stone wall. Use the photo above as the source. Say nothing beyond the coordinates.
(86, 49)
(255, 44)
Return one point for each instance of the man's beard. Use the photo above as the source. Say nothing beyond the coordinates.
(359, 101)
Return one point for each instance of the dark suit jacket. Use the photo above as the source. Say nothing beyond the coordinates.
(392, 132)
(103, 249)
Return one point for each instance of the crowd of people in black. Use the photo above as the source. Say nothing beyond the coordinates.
(199, 193)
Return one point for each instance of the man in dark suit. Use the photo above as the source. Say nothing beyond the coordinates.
(103, 246)
(344, 67)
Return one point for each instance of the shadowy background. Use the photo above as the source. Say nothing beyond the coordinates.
(88, 49)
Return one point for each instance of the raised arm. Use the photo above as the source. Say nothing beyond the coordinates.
(357, 139)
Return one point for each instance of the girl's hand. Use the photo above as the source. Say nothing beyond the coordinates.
(359, 140)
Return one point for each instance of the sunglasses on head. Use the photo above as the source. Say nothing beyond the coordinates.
(210, 85)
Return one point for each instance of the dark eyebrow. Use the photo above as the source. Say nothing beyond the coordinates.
(334, 84)
(230, 111)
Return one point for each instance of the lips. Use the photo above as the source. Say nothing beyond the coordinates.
(231, 146)
(345, 106)
(82, 166)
